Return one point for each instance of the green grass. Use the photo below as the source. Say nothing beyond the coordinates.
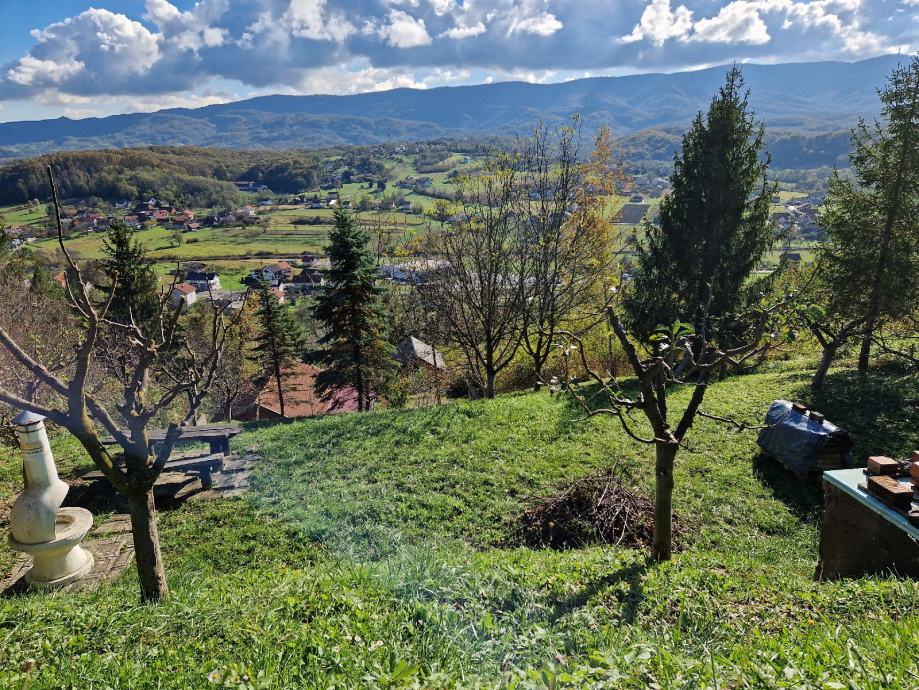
(373, 552)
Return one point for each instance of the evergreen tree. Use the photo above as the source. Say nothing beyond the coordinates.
(356, 350)
(714, 223)
(276, 337)
(131, 273)
(870, 260)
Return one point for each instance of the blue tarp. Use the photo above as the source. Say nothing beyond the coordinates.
(796, 440)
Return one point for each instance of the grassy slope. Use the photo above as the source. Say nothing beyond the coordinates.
(370, 554)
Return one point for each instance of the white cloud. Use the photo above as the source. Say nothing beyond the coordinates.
(462, 31)
(309, 19)
(660, 23)
(188, 30)
(30, 71)
(97, 49)
(544, 24)
(737, 22)
(404, 31)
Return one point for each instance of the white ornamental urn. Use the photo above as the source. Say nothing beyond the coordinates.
(39, 527)
(34, 514)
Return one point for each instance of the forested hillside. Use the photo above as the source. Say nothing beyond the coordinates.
(187, 175)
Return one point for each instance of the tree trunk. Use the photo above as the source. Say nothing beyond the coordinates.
(490, 384)
(537, 372)
(663, 500)
(865, 353)
(277, 378)
(150, 571)
(829, 352)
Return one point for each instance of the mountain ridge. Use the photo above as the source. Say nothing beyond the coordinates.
(814, 98)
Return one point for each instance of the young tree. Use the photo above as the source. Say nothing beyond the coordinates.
(714, 224)
(869, 262)
(276, 337)
(567, 235)
(679, 355)
(480, 287)
(153, 382)
(355, 351)
(131, 278)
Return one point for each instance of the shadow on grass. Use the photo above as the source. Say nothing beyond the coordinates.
(630, 596)
(804, 498)
(880, 410)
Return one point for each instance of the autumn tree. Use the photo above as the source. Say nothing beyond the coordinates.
(567, 236)
(478, 284)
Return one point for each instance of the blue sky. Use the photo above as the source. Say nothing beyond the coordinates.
(82, 58)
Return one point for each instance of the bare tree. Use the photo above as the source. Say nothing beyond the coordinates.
(568, 236)
(679, 356)
(479, 286)
(164, 372)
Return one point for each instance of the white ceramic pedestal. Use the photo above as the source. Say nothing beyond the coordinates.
(38, 524)
(62, 560)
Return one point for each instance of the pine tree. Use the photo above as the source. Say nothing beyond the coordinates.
(714, 223)
(276, 337)
(869, 262)
(356, 351)
(131, 273)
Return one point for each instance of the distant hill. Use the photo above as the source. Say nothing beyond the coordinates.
(797, 100)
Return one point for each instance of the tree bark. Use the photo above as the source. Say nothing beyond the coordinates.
(829, 352)
(150, 570)
(864, 355)
(663, 500)
(490, 385)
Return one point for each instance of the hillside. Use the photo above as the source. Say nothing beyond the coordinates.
(809, 98)
(377, 551)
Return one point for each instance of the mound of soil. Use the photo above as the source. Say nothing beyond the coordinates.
(596, 509)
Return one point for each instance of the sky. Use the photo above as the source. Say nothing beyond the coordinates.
(88, 58)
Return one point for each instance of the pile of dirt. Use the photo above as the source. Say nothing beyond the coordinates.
(596, 509)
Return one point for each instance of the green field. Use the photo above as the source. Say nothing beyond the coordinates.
(377, 551)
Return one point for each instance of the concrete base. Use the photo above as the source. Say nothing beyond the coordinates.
(856, 541)
(59, 562)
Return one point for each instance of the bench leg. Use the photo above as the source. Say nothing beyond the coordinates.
(207, 480)
(220, 445)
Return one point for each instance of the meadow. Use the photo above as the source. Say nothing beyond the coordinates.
(379, 551)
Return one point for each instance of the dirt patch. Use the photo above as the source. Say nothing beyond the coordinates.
(596, 509)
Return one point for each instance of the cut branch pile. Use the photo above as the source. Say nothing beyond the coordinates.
(596, 509)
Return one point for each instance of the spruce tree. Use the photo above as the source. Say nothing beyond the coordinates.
(131, 273)
(872, 223)
(714, 223)
(355, 351)
(276, 338)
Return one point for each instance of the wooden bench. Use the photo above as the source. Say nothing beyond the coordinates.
(217, 436)
(202, 466)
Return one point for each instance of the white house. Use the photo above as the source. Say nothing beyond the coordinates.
(184, 294)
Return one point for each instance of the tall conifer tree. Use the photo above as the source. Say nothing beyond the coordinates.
(714, 223)
(276, 338)
(356, 350)
(872, 222)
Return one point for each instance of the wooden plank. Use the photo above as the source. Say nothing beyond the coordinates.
(191, 433)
